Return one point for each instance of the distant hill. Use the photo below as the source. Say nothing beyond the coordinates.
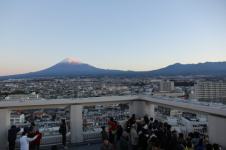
(69, 68)
(207, 69)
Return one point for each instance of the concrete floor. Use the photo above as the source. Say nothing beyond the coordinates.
(94, 146)
(86, 147)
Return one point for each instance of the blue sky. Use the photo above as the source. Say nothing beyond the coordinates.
(117, 34)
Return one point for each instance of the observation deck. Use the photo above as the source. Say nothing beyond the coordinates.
(139, 105)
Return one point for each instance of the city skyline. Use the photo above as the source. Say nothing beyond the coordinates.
(126, 35)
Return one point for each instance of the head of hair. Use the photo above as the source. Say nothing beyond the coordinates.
(13, 127)
(54, 147)
(32, 124)
(146, 120)
(111, 118)
(191, 135)
(168, 127)
(181, 135)
(24, 133)
(63, 121)
(209, 147)
(103, 128)
(201, 141)
(151, 119)
(216, 146)
(196, 135)
(189, 143)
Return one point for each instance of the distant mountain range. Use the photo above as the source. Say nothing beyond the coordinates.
(70, 67)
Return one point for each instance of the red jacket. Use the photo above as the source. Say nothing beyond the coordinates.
(38, 139)
(112, 126)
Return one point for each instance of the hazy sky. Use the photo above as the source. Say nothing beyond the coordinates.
(118, 34)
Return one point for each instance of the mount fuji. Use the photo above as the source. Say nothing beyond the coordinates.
(67, 67)
(73, 67)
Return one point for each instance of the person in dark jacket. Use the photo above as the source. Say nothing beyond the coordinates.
(31, 134)
(143, 138)
(181, 142)
(119, 133)
(130, 122)
(32, 127)
(104, 134)
(63, 132)
(124, 142)
(200, 145)
(173, 141)
(12, 133)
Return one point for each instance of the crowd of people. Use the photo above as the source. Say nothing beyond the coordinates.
(29, 140)
(135, 134)
(150, 134)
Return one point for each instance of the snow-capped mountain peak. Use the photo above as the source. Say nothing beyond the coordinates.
(71, 60)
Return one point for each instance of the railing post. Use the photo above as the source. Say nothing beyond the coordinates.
(217, 130)
(141, 108)
(76, 123)
(4, 126)
(150, 109)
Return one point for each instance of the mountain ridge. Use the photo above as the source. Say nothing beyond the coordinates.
(73, 67)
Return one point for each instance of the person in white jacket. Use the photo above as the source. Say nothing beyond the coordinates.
(24, 141)
(134, 137)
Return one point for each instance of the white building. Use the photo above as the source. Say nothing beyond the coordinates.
(194, 124)
(210, 90)
(166, 86)
(31, 96)
(17, 119)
